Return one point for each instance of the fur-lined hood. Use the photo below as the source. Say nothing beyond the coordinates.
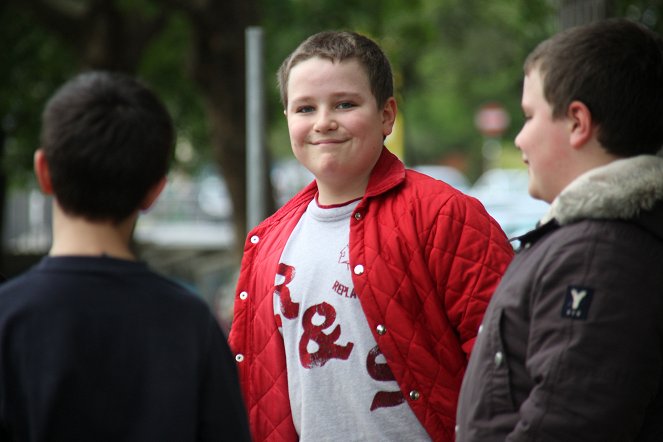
(619, 190)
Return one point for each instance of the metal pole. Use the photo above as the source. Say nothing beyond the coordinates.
(255, 128)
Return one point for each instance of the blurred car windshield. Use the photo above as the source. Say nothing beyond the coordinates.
(448, 174)
(504, 194)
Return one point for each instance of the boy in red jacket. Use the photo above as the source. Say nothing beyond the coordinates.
(358, 302)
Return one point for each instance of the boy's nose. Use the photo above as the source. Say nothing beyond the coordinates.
(516, 140)
(325, 122)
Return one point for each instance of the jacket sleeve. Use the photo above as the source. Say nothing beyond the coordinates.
(594, 351)
(474, 254)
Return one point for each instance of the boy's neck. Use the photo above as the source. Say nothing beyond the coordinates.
(334, 193)
(75, 236)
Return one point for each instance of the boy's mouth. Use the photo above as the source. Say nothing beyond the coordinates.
(327, 141)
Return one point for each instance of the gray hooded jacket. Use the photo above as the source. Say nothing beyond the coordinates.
(571, 346)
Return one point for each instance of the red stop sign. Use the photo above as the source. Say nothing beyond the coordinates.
(492, 119)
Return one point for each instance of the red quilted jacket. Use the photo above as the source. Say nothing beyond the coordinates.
(425, 258)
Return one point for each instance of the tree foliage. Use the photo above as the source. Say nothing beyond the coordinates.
(115, 35)
(449, 57)
(33, 66)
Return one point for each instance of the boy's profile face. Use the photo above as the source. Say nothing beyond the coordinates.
(336, 128)
(543, 141)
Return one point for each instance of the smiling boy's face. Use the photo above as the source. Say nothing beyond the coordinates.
(336, 128)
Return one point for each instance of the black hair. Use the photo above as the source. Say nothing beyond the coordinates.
(107, 140)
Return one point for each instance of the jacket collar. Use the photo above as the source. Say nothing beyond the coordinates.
(627, 189)
(541, 230)
(622, 189)
(387, 173)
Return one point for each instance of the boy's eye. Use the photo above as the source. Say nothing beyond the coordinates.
(346, 105)
(304, 109)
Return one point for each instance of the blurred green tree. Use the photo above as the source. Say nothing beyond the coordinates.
(449, 57)
(195, 60)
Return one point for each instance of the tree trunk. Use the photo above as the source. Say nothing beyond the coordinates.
(218, 67)
(578, 12)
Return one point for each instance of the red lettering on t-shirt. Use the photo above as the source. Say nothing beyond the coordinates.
(382, 372)
(340, 289)
(289, 308)
(327, 347)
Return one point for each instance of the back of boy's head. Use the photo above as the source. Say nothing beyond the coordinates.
(107, 140)
(338, 46)
(614, 67)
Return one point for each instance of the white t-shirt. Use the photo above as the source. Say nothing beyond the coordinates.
(340, 386)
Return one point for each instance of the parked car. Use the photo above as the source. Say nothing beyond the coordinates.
(448, 174)
(288, 177)
(504, 194)
(213, 195)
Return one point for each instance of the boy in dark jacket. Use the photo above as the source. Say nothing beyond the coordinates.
(93, 345)
(571, 347)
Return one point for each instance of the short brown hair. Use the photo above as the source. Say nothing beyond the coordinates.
(338, 46)
(614, 67)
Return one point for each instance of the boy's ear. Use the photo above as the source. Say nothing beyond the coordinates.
(42, 172)
(153, 194)
(389, 116)
(581, 126)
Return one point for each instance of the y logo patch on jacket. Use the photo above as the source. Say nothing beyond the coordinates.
(577, 302)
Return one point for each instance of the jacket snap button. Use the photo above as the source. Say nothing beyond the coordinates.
(381, 329)
(357, 216)
(243, 296)
(480, 329)
(414, 395)
(499, 358)
(359, 269)
(239, 357)
(255, 239)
